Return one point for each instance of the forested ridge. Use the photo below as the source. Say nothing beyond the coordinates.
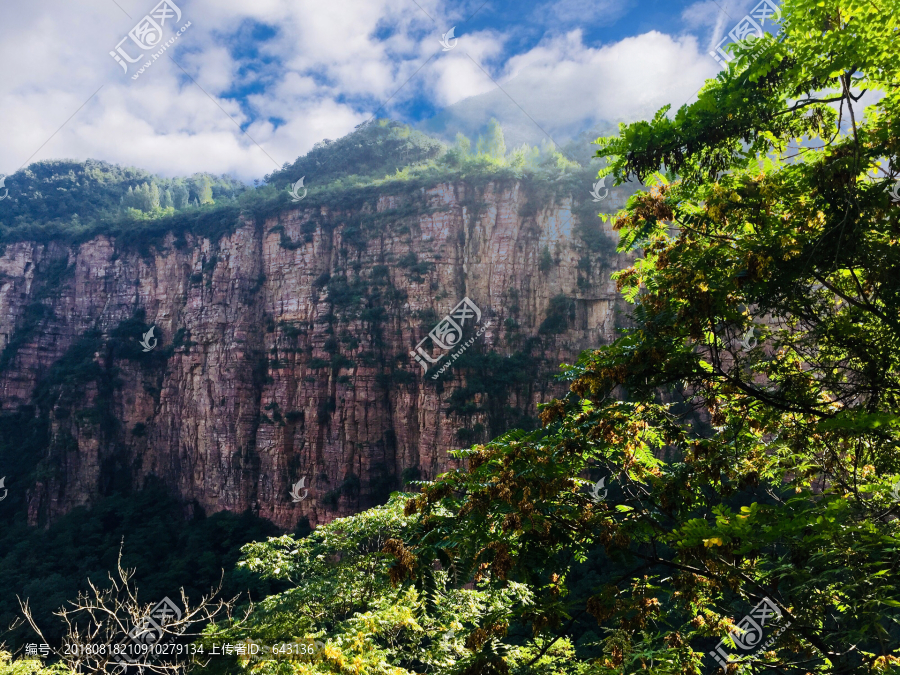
(719, 490)
(71, 201)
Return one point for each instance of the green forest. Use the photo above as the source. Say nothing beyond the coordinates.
(718, 491)
(73, 202)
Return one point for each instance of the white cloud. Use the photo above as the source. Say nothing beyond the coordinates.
(328, 68)
(460, 73)
(562, 86)
(704, 14)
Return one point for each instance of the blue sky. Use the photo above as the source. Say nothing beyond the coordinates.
(248, 85)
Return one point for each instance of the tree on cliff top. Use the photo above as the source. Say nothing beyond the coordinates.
(747, 427)
(375, 149)
(492, 143)
(64, 197)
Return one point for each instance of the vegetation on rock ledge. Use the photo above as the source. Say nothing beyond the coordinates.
(745, 429)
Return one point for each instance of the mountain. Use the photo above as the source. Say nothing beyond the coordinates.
(283, 331)
(68, 198)
(371, 151)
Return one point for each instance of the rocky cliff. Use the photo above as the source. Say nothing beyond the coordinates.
(283, 347)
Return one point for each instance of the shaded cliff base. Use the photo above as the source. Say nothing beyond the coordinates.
(169, 544)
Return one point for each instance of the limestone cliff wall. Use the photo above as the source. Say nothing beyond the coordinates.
(283, 348)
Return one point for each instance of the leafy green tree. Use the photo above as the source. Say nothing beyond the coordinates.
(49, 567)
(29, 666)
(463, 144)
(70, 200)
(142, 198)
(180, 196)
(526, 157)
(375, 149)
(341, 595)
(154, 200)
(746, 428)
(492, 143)
(203, 185)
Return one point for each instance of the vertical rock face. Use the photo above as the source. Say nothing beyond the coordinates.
(284, 348)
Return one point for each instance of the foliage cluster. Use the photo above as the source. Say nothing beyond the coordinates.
(341, 594)
(72, 199)
(28, 666)
(75, 201)
(735, 470)
(50, 567)
(374, 150)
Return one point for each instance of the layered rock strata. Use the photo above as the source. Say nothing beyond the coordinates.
(283, 348)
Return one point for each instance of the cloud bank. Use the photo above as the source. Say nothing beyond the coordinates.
(250, 86)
